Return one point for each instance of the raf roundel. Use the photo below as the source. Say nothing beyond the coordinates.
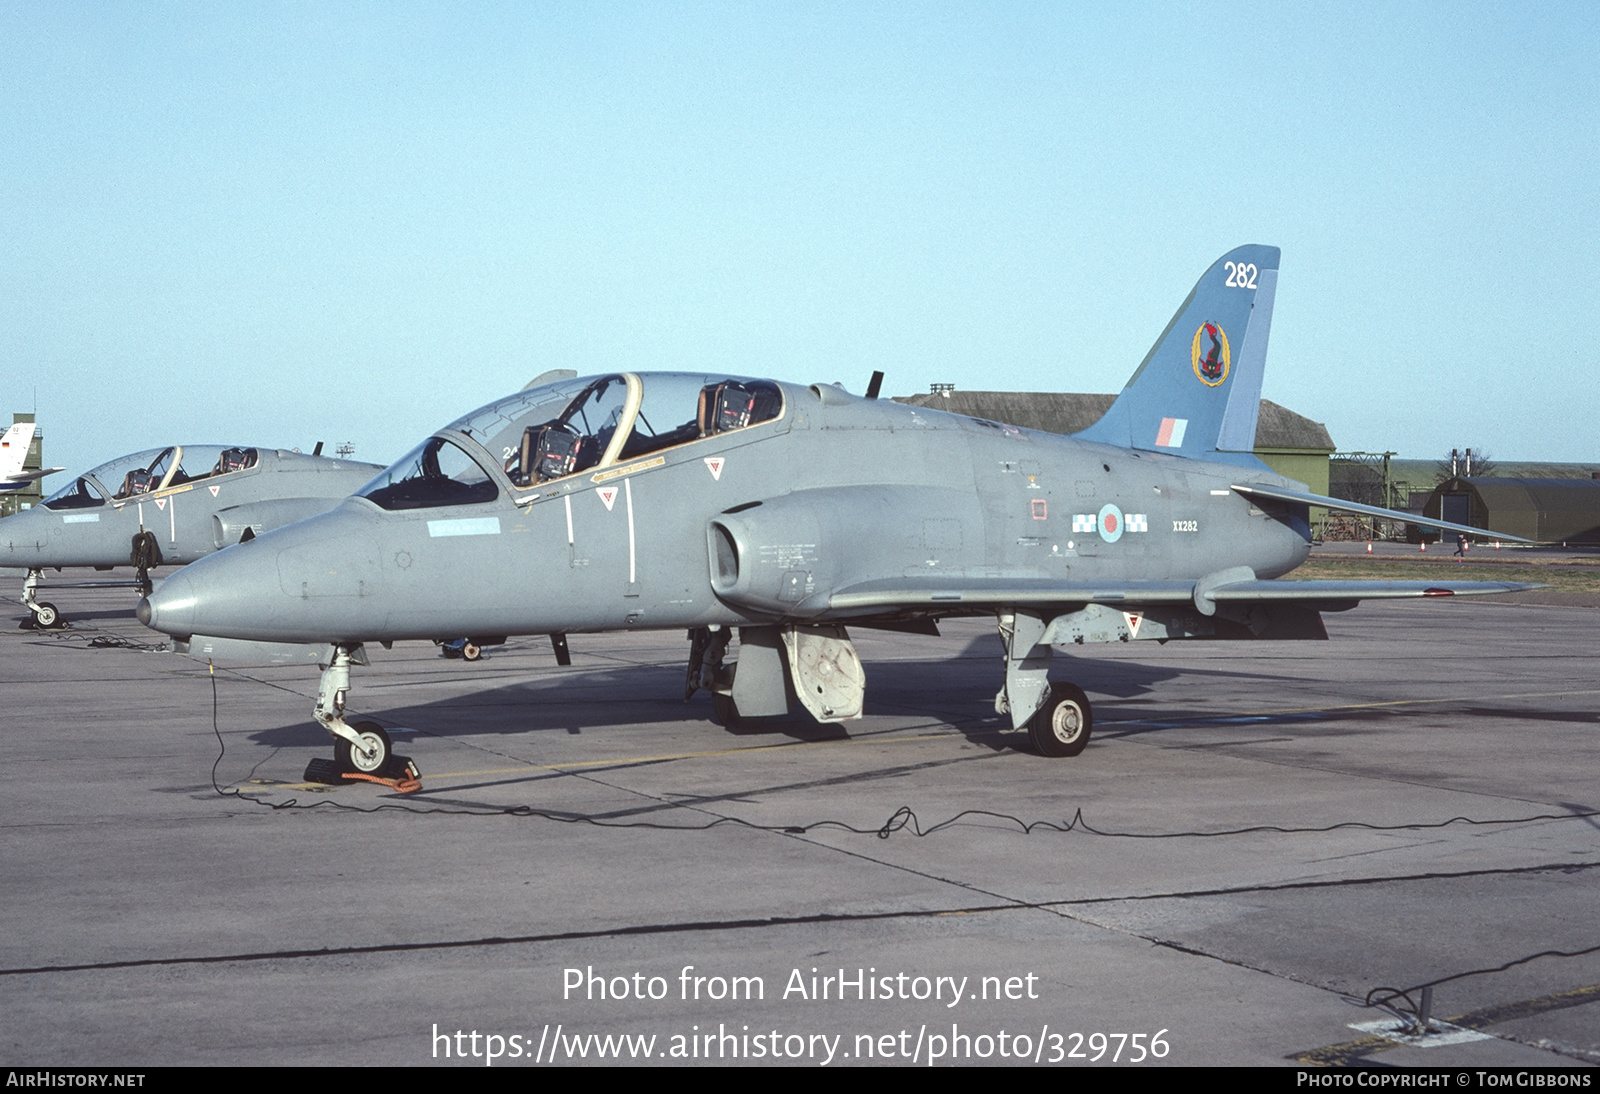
(1210, 354)
(1110, 523)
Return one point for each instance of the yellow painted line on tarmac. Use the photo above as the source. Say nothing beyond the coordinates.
(1344, 1054)
(859, 741)
(1488, 1016)
(1413, 702)
(687, 755)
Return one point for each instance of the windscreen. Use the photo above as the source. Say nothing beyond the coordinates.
(141, 472)
(112, 473)
(436, 473)
(82, 494)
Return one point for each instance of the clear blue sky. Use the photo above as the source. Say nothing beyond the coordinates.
(279, 224)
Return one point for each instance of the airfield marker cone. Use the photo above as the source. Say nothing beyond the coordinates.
(1369, 546)
(1424, 546)
(1496, 545)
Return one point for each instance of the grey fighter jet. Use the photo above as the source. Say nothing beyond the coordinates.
(168, 506)
(708, 502)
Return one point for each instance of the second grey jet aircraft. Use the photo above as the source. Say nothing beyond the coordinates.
(168, 506)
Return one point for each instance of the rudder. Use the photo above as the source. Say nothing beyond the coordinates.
(1198, 390)
(14, 451)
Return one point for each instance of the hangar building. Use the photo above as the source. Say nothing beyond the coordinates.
(1546, 510)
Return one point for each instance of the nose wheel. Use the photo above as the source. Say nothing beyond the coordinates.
(45, 616)
(361, 751)
(369, 754)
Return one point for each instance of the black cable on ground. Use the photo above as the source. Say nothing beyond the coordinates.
(1385, 998)
(903, 819)
(234, 791)
(104, 640)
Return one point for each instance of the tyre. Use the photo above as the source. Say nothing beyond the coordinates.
(1062, 726)
(46, 615)
(374, 759)
(724, 712)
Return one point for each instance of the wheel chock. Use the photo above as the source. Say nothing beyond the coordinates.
(401, 774)
(31, 623)
(323, 771)
(402, 767)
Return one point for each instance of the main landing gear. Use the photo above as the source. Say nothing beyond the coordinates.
(144, 556)
(815, 664)
(707, 647)
(1058, 715)
(1061, 727)
(361, 751)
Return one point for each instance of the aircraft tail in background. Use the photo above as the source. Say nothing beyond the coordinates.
(14, 452)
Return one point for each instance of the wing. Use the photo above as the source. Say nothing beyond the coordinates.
(30, 476)
(1241, 587)
(1278, 493)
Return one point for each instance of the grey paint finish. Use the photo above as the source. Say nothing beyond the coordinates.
(280, 488)
(851, 491)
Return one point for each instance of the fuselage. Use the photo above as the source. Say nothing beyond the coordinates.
(833, 491)
(92, 522)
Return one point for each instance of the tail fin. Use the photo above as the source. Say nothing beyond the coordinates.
(1198, 390)
(14, 451)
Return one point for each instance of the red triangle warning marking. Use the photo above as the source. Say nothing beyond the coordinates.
(608, 494)
(715, 464)
(161, 503)
(213, 490)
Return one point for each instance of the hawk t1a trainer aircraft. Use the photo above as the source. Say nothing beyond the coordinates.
(168, 506)
(709, 502)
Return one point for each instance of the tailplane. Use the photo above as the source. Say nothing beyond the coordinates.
(1198, 390)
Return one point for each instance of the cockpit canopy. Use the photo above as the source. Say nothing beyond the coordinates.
(568, 427)
(150, 470)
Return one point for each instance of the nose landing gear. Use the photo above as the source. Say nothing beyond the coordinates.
(144, 556)
(45, 616)
(362, 751)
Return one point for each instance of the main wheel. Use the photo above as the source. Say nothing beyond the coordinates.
(724, 712)
(1061, 728)
(370, 761)
(46, 615)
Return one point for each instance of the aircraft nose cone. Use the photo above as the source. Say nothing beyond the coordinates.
(23, 531)
(170, 609)
(317, 580)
